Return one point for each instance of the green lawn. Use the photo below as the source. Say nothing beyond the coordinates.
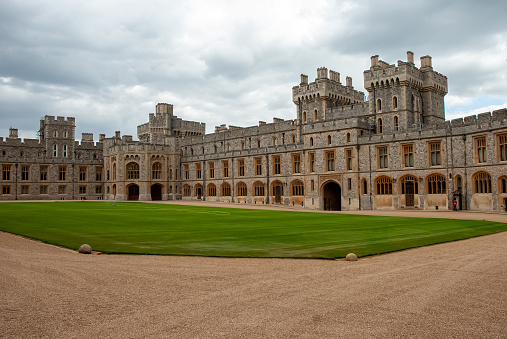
(206, 231)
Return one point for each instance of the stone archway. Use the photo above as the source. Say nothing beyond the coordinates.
(332, 194)
(133, 191)
(277, 188)
(156, 192)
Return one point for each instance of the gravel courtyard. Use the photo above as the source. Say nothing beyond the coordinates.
(453, 290)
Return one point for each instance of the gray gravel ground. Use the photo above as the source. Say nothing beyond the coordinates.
(454, 290)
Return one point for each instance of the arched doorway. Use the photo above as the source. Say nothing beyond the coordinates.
(133, 192)
(332, 194)
(156, 192)
(277, 191)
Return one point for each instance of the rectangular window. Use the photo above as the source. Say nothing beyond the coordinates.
(43, 173)
(6, 172)
(82, 173)
(277, 168)
(241, 167)
(25, 189)
(55, 151)
(6, 189)
(62, 171)
(64, 151)
(311, 157)
(225, 168)
(348, 156)
(349, 184)
(198, 171)
(502, 147)
(408, 155)
(258, 166)
(62, 189)
(25, 172)
(43, 190)
(435, 157)
(312, 185)
(82, 189)
(98, 173)
(480, 148)
(211, 167)
(98, 189)
(187, 172)
(330, 160)
(382, 157)
(296, 163)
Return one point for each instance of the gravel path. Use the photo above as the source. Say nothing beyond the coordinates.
(453, 290)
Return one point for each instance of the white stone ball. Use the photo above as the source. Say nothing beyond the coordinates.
(351, 257)
(85, 248)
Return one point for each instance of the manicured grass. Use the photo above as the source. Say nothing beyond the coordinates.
(206, 231)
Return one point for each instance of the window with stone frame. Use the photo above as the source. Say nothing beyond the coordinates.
(226, 189)
(6, 172)
(98, 173)
(297, 188)
(225, 168)
(211, 168)
(258, 166)
(62, 173)
(480, 149)
(348, 159)
(409, 180)
(132, 171)
(502, 185)
(186, 171)
(212, 190)
(434, 153)
(242, 189)
(364, 186)
(384, 185)
(43, 190)
(436, 184)
(258, 188)
(408, 155)
(156, 171)
(62, 189)
(296, 163)
(382, 157)
(277, 168)
(379, 126)
(482, 182)
(98, 189)
(330, 156)
(25, 189)
(241, 167)
(186, 190)
(311, 159)
(502, 147)
(396, 126)
(6, 190)
(82, 189)
(198, 171)
(25, 172)
(82, 173)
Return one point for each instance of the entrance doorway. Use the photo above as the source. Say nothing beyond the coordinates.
(409, 194)
(156, 192)
(133, 192)
(278, 192)
(332, 197)
(198, 192)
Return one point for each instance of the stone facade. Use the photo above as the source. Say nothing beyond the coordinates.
(393, 151)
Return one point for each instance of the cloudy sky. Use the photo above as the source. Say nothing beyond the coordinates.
(109, 62)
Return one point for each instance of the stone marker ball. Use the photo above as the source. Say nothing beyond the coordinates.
(351, 257)
(85, 248)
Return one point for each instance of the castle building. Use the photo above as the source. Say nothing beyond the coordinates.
(341, 152)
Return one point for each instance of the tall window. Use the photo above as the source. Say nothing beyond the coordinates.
(364, 186)
(132, 171)
(211, 167)
(276, 165)
(226, 190)
(436, 184)
(435, 158)
(502, 147)
(395, 102)
(311, 157)
(241, 167)
(225, 168)
(311, 141)
(82, 173)
(408, 155)
(379, 105)
(64, 151)
(198, 171)
(114, 172)
(25, 172)
(480, 147)
(258, 166)
(212, 190)
(347, 137)
(6, 172)
(330, 160)
(186, 190)
(296, 163)
(482, 182)
(379, 125)
(502, 185)
(459, 183)
(384, 185)
(242, 189)
(348, 159)
(258, 189)
(297, 188)
(382, 157)
(396, 126)
(315, 115)
(187, 172)
(156, 171)
(329, 139)
(62, 172)
(43, 173)
(55, 151)
(304, 116)
(98, 173)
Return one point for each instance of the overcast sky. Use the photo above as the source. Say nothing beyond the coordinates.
(108, 63)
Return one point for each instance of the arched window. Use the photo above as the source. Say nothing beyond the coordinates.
(384, 185)
(348, 137)
(293, 138)
(459, 183)
(258, 188)
(379, 105)
(192, 152)
(186, 190)
(274, 141)
(226, 190)
(297, 188)
(156, 171)
(242, 144)
(114, 172)
(212, 190)
(304, 116)
(315, 115)
(258, 143)
(132, 171)
(395, 123)
(241, 189)
(364, 186)
(482, 182)
(329, 139)
(436, 184)
(502, 184)
(379, 125)
(311, 141)
(395, 102)
(410, 182)
(227, 147)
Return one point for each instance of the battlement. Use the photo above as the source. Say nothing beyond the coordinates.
(499, 116)
(86, 137)
(50, 119)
